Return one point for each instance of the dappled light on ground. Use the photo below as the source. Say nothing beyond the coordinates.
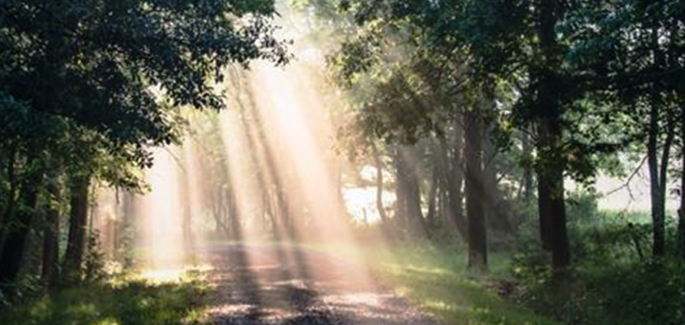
(172, 275)
(267, 292)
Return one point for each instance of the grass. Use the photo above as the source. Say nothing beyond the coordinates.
(437, 281)
(122, 301)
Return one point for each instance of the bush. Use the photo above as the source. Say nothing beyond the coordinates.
(609, 283)
(129, 301)
(94, 261)
(646, 293)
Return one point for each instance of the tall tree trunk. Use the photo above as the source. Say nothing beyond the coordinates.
(658, 227)
(454, 180)
(681, 211)
(409, 190)
(124, 231)
(11, 204)
(15, 242)
(78, 228)
(379, 184)
(527, 184)
(474, 191)
(435, 181)
(551, 168)
(658, 173)
(494, 209)
(551, 198)
(400, 215)
(50, 270)
(545, 211)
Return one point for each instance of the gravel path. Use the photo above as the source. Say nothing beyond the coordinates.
(270, 285)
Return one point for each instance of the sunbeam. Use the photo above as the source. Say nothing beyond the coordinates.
(162, 212)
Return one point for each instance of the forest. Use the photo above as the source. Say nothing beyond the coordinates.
(281, 162)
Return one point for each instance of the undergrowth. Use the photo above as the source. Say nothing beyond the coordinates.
(124, 300)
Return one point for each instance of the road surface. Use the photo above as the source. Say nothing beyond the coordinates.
(273, 285)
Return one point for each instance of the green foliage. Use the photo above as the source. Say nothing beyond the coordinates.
(614, 280)
(89, 87)
(132, 302)
(98, 62)
(646, 293)
(94, 261)
(608, 292)
(438, 282)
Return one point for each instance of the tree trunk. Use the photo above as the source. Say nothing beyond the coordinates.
(527, 183)
(681, 211)
(50, 270)
(561, 253)
(453, 181)
(125, 234)
(15, 242)
(551, 197)
(11, 204)
(545, 211)
(548, 109)
(433, 194)
(658, 173)
(379, 184)
(658, 218)
(78, 228)
(408, 190)
(494, 209)
(400, 215)
(474, 191)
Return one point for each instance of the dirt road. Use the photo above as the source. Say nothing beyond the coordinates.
(270, 285)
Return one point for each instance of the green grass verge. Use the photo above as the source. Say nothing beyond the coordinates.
(126, 301)
(437, 281)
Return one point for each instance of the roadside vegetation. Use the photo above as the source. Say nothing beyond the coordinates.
(456, 143)
(121, 300)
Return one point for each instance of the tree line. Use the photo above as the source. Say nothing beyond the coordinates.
(87, 88)
(553, 90)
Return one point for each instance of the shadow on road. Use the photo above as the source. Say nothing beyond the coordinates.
(278, 285)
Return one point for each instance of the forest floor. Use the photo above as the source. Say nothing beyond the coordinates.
(272, 284)
(289, 284)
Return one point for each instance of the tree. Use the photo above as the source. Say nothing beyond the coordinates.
(112, 71)
(475, 192)
(632, 50)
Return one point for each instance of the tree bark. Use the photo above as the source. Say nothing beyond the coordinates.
(453, 165)
(401, 211)
(545, 211)
(433, 194)
(379, 184)
(548, 109)
(527, 183)
(658, 173)
(474, 191)
(494, 209)
(11, 204)
(15, 242)
(78, 228)
(50, 269)
(551, 197)
(681, 212)
(409, 194)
